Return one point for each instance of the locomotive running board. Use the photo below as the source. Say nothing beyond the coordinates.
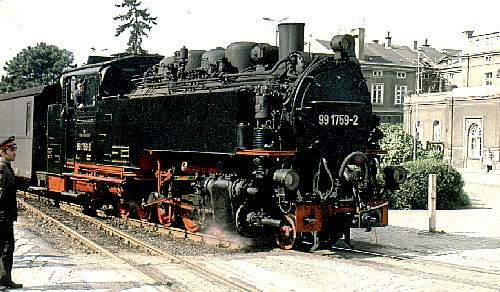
(269, 153)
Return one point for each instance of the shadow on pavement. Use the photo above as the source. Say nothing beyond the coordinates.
(86, 286)
(396, 240)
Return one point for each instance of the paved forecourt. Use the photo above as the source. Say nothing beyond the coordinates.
(468, 237)
(38, 266)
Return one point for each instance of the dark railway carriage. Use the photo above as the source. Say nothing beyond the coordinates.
(24, 114)
(254, 138)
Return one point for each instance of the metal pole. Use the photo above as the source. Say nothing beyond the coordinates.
(432, 202)
(276, 37)
(417, 92)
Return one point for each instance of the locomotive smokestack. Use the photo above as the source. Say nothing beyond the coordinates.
(291, 38)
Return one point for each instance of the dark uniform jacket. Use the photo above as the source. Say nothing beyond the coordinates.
(8, 204)
(78, 97)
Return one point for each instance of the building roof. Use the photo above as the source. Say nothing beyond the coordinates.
(45, 91)
(431, 54)
(380, 54)
(401, 55)
(22, 93)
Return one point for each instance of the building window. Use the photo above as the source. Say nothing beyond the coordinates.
(451, 75)
(401, 74)
(488, 76)
(378, 73)
(400, 93)
(487, 59)
(377, 93)
(474, 138)
(436, 131)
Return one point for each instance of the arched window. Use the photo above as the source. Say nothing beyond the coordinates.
(474, 141)
(436, 131)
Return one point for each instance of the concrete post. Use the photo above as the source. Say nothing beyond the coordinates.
(431, 204)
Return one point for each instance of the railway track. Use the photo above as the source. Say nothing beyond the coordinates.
(419, 265)
(432, 268)
(151, 278)
(199, 237)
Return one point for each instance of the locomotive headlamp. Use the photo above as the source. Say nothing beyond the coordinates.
(288, 177)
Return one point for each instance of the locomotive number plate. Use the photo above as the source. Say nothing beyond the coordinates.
(338, 120)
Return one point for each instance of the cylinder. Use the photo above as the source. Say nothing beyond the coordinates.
(271, 222)
(261, 106)
(194, 59)
(242, 136)
(212, 56)
(264, 54)
(261, 138)
(238, 54)
(183, 53)
(164, 63)
(291, 37)
(288, 177)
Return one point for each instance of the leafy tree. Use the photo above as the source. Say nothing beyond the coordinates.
(399, 146)
(38, 65)
(138, 21)
(397, 143)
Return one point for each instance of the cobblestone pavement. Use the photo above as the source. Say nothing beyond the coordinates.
(468, 237)
(463, 256)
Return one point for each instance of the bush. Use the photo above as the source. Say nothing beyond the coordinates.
(414, 192)
(399, 145)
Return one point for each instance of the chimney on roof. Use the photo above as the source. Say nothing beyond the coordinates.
(426, 44)
(388, 38)
(415, 46)
(375, 41)
(468, 33)
(359, 34)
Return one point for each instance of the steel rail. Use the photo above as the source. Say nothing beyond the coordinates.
(89, 243)
(168, 231)
(416, 260)
(176, 259)
(476, 276)
(234, 286)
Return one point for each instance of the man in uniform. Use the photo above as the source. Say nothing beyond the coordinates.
(8, 212)
(79, 95)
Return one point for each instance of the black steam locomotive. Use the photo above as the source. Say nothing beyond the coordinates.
(253, 137)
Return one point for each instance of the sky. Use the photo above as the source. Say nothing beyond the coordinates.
(79, 25)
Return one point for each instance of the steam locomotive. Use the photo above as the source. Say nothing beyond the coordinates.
(254, 138)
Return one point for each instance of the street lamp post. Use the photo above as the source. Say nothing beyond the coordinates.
(417, 93)
(277, 22)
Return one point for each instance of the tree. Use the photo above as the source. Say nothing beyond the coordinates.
(399, 146)
(138, 21)
(38, 65)
(397, 143)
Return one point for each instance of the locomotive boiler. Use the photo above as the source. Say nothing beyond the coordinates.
(254, 138)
